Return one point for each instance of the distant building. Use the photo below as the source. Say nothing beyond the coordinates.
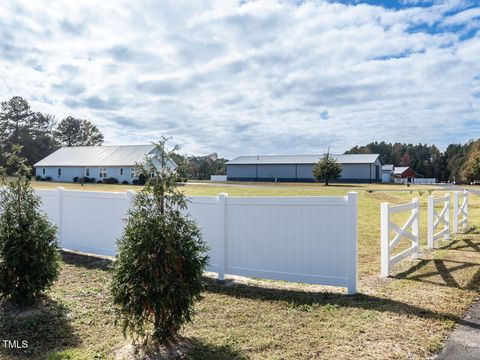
(404, 172)
(97, 162)
(387, 173)
(356, 168)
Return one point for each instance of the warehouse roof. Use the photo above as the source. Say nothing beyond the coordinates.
(127, 155)
(303, 159)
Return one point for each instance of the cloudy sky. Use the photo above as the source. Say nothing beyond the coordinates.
(250, 77)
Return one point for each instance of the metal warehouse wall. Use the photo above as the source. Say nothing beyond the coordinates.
(300, 172)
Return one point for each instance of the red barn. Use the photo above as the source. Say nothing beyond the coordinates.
(404, 172)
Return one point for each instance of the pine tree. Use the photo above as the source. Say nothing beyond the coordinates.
(157, 275)
(326, 169)
(29, 256)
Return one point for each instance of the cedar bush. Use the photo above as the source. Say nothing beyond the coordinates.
(29, 256)
(327, 168)
(157, 275)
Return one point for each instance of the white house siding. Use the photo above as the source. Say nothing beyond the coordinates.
(69, 172)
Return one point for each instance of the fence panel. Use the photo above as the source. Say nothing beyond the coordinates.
(460, 212)
(409, 230)
(436, 219)
(305, 239)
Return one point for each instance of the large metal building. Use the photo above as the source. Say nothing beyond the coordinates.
(356, 168)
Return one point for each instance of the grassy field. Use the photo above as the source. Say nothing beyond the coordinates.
(403, 317)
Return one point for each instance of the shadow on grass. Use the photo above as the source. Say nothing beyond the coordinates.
(201, 350)
(445, 272)
(86, 261)
(45, 327)
(302, 299)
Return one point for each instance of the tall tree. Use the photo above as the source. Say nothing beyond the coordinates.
(19, 125)
(77, 132)
(326, 169)
(471, 169)
(15, 116)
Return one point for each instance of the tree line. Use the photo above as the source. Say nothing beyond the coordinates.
(39, 134)
(459, 162)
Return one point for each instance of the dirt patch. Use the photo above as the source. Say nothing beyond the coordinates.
(132, 352)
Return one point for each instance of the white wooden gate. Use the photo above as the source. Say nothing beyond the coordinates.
(409, 230)
(460, 212)
(437, 219)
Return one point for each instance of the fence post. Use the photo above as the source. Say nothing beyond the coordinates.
(416, 226)
(430, 229)
(384, 241)
(447, 218)
(222, 261)
(352, 231)
(455, 212)
(60, 191)
(465, 208)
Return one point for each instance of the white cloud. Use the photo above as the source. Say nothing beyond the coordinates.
(248, 78)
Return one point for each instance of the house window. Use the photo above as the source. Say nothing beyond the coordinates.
(59, 172)
(121, 171)
(87, 171)
(43, 171)
(103, 173)
(133, 173)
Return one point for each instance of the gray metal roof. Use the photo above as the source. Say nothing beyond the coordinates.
(127, 155)
(387, 168)
(303, 159)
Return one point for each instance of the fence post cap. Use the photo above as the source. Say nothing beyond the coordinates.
(222, 194)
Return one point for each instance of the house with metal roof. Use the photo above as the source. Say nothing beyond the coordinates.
(97, 162)
(404, 172)
(356, 168)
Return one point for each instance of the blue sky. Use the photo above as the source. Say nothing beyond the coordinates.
(250, 77)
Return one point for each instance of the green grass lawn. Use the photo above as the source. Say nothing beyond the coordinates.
(403, 317)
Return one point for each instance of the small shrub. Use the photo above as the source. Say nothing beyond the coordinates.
(75, 179)
(38, 178)
(142, 179)
(110, 180)
(136, 182)
(100, 182)
(157, 276)
(28, 246)
(48, 178)
(125, 182)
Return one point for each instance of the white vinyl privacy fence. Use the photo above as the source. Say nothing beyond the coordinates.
(304, 239)
(438, 221)
(408, 230)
